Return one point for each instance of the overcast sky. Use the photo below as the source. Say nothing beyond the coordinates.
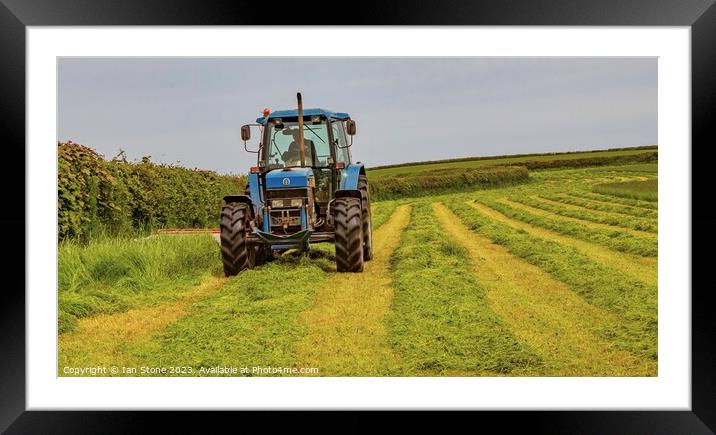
(189, 110)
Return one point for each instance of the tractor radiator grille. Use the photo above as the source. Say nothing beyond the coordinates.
(286, 193)
(290, 218)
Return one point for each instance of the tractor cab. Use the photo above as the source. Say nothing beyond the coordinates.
(303, 190)
(326, 153)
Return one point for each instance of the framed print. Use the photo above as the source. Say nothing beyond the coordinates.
(442, 208)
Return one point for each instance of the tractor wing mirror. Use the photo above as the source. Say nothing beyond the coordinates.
(245, 132)
(246, 135)
(351, 127)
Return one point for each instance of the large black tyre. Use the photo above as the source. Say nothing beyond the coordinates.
(234, 248)
(349, 234)
(366, 218)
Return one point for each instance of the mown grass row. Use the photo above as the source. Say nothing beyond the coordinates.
(381, 212)
(251, 322)
(646, 190)
(601, 286)
(440, 322)
(648, 225)
(600, 206)
(617, 240)
(113, 275)
(615, 200)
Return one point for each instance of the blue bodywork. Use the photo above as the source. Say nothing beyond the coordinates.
(349, 176)
(307, 112)
(288, 178)
(257, 199)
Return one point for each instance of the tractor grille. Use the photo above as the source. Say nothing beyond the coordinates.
(291, 218)
(286, 193)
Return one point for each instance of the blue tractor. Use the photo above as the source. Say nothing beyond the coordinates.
(304, 189)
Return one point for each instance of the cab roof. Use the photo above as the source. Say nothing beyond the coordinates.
(306, 112)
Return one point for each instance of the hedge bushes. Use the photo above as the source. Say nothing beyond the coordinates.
(444, 180)
(98, 196)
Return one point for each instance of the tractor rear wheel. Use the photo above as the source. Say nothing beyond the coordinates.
(234, 248)
(366, 218)
(349, 234)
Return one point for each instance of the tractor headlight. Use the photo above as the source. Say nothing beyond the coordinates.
(285, 203)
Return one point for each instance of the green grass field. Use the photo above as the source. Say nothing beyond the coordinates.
(646, 190)
(114, 275)
(555, 276)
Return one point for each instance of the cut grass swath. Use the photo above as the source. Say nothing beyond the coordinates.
(616, 240)
(251, 322)
(381, 211)
(602, 206)
(440, 322)
(531, 206)
(602, 286)
(101, 340)
(615, 200)
(641, 268)
(545, 313)
(601, 217)
(345, 329)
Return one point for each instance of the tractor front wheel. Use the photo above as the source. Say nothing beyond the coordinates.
(349, 234)
(235, 253)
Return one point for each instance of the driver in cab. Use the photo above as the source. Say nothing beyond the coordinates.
(292, 157)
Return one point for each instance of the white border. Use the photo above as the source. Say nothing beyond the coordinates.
(670, 390)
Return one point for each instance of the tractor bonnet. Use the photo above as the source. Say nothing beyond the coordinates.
(289, 178)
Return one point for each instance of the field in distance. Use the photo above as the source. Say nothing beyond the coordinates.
(513, 160)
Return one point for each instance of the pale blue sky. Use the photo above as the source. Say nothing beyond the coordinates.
(189, 110)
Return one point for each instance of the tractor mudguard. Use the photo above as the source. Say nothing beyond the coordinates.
(242, 199)
(253, 199)
(349, 176)
(238, 198)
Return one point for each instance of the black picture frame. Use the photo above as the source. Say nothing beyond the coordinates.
(16, 15)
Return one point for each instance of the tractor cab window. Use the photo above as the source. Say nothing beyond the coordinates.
(284, 148)
(339, 135)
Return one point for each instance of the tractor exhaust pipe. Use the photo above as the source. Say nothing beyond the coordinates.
(300, 129)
